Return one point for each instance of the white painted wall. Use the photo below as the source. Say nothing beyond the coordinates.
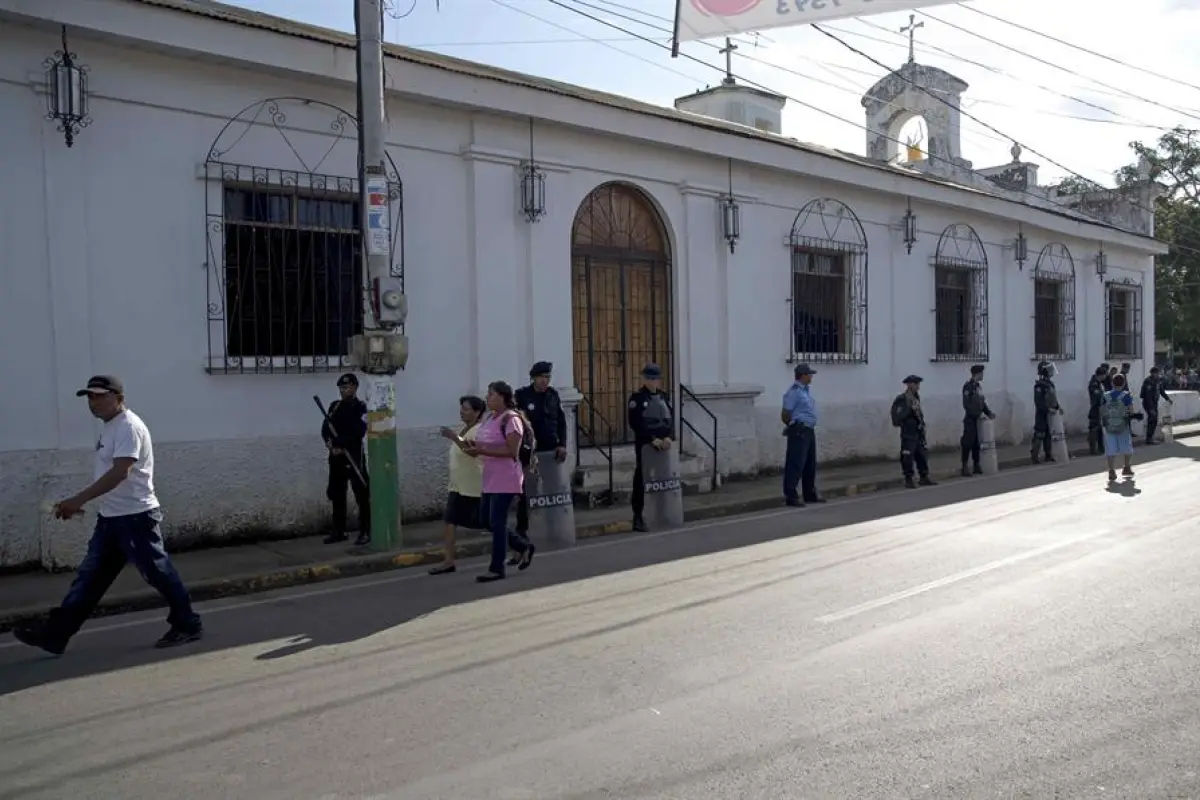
(103, 267)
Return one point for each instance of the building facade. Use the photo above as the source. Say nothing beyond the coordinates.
(200, 239)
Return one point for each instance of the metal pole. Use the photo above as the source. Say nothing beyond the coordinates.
(376, 359)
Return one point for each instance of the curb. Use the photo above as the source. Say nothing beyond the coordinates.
(355, 566)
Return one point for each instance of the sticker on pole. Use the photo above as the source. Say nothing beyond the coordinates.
(379, 222)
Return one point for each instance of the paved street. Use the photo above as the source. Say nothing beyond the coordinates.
(1035, 636)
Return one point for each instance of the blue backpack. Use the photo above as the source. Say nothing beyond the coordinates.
(1114, 415)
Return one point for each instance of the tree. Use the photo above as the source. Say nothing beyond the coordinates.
(1174, 163)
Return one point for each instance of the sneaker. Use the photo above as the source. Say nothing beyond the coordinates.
(36, 637)
(1112, 476)
(335, 538)
(1127, 472)
(178, 636)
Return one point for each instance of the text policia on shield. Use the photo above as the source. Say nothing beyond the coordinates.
(705, 19)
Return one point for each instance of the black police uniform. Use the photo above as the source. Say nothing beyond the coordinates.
(544, 410)
(910, 419)
(659, 423)
(349, 418)
(974, 408)
(1153, 388)
(1095, 392)
(1045, 401)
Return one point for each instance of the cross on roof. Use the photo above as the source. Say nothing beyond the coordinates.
(911, 30)
(727, 51)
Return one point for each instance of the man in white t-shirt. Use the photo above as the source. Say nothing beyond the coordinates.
(127, 527)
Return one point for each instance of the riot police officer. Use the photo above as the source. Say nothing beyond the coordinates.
(1045, 403)
(652, 423)
(344, 441)
(1153, 388)
(910, 419)
(542, 406)
(975, 407)
(1096, 391)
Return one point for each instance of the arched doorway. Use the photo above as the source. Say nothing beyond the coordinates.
(621, 302)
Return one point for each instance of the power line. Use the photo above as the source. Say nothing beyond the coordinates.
(1080, 48)
(1059, 67)
(499, 42)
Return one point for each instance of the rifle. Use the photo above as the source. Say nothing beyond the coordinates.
(333, 430)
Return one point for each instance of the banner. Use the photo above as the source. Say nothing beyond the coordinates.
(705, 19)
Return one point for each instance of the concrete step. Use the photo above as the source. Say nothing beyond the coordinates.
(591, 487)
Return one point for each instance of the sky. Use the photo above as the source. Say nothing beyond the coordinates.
(1061, 104)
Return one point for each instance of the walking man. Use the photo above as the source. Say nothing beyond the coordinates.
(910, 419)
(799, 416)
(343, 433)
(652, 423)
(126, 530)
(1152, 389)
(975, 407)
(542, 406)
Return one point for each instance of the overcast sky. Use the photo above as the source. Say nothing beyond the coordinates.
(1077, 109)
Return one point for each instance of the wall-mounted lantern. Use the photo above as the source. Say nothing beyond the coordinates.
(731, 215)
(67, 92)
(533, 185)
(1101, 263)
(1021, 248)
(910, 228)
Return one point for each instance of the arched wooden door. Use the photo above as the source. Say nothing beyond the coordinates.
(621, 300)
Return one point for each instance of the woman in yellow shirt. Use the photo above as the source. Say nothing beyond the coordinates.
(466, 479)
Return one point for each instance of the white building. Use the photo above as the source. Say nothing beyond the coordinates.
(197, 240)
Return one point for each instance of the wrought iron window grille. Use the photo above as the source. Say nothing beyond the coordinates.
(827, 305)
(1122, 319)
(960, 265)
(1053, 282)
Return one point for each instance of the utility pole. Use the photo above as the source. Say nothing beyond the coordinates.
(381, 350)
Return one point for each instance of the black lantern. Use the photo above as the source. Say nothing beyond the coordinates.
(533, 185)
(731, 215)
(910, 228)
(66, 92)
(1021, 248)
(1101, 263)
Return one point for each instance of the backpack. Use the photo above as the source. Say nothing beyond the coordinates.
(1114, 416)
(528, 444)
(898, 412)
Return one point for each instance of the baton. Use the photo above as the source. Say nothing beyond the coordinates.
(333, 430)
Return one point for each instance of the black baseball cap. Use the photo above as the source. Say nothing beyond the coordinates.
(102, 384)
(349, 379)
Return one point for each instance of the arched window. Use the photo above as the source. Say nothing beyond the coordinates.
(1054, 304)
(960, 268)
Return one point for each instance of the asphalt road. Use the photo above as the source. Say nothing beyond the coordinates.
(1033, 636)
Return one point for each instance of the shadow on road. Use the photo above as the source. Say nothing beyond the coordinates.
(340, 612)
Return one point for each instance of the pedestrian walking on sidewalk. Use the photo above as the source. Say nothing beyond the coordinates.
(499, 442)
(466, 481)
(799, 418)
(1115, 414)
(127, 527)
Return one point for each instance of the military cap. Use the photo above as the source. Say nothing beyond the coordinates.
(651, 371)
(541, 368)
(914, 379)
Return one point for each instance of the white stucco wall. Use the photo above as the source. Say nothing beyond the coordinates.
(103, 249)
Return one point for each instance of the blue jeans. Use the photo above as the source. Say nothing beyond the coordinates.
(494, 511)
(134, 538)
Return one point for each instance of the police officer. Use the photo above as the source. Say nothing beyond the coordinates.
(652, 423)
(542, 406)
(1045, 403)
(1110, 373)
(910, 419)
(974, 408)
(1153, 388)
(1096, 391)
(344, 441)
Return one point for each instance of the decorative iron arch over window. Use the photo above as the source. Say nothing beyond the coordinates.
(284, 238)
(960, 268)
(828, 302)
(1054, 304)
(1123, 319)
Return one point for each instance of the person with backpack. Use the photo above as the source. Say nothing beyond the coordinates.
(498, 442)
(652, 422)
(1115, 414)
(910, 419)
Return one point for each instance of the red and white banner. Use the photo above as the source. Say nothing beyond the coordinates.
(705, 19)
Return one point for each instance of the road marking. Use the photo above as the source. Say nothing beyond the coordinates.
(351, 584)
(952, 579)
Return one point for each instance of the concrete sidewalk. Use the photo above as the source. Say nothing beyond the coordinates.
(245, 569)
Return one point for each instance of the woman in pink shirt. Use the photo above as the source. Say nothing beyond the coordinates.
(498, 443)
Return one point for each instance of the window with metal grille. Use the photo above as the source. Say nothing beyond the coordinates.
(1054, 305)
(960, 296)
(1122, 320)
(828, 285)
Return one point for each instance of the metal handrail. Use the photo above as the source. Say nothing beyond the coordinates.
(581, 430)
(689, 394)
